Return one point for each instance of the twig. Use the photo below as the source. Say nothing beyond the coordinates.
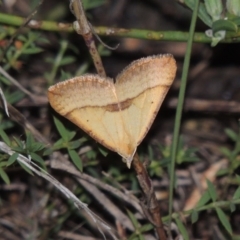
(74, 236)
(84, 28)
(107, 204)
(178, 36)
(68, 167)
(4, 102)
(15, 82)
(19, 118)
(201, 105)
(149, 194)
(125, 192)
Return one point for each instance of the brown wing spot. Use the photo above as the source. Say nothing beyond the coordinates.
(115, 107)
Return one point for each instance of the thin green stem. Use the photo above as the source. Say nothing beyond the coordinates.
(237, 144)
(177, 36)
(57, 61)
(220, 204)
(180, 104)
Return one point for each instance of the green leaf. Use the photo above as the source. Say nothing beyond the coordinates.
(14, 96)
(5, 80)
(33, 50)
(20, 144)
(231, 134)
(146, 228)
(23, 166)
(204, 199)
(236, 195)
(9, 54)
(225, 25)
(212, 191)
(67, 60)
(224, 220)
(91, 154)
(182, 229)
(3, 164)
(233, 7)
(76, 159)
(236, 20)
(150, 153)
(6, 124)
(134, 236)
(5, 137)
(92, 4)
(42, 40)
(194, 216)
(190, 159)
(38, 159)
(50, 60)
(232, 207)
(37, 146)
(47, 151)
(133, 219)
(4, 176)
(12, 159)
(238, 178)
(65, 75)
(214, 8)
(59, 144)
(226, 152)
(29, 140)
(222, 172)
(61, 129)
(22, 38)
(140, 237)
(71, 135)
(75, 144)
(103, 150)
(17, 149)
(202, 12)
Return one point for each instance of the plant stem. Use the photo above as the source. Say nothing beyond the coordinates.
(180, 105)
(177, 36)
(152, 205)
(86, 31)
(213, 206)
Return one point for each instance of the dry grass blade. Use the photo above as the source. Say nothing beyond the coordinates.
(66, 192)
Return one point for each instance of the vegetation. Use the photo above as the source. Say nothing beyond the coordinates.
(198, 178)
